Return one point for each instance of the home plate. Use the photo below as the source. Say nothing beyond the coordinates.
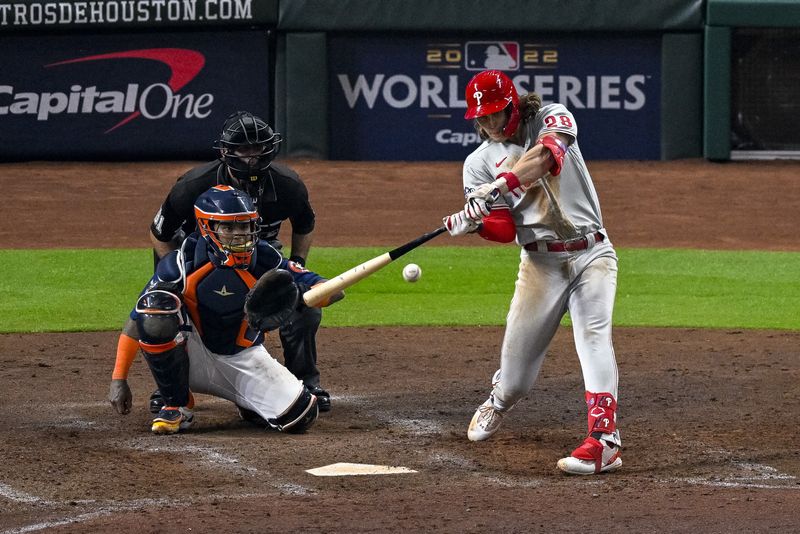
(345, 469)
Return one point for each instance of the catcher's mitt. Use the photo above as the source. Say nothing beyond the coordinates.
(272, 300)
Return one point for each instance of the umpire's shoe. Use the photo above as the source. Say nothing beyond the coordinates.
(323, 398)
(172, 419)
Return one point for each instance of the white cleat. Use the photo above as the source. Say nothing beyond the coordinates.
(592, 457)
(485, 422)
(495, 379)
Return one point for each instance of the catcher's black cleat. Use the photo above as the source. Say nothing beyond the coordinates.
(251, 417)
(156, 402)
(323, 398)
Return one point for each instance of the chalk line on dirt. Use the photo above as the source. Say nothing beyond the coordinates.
(748, 475)
(20, 496)
(141, 504)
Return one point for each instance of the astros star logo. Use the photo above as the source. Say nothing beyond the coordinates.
(224, 292)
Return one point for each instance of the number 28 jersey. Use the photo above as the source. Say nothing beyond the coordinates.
(558, 207)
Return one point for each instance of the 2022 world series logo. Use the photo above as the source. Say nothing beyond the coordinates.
(423, 85)
(500, 55)
(509, 56)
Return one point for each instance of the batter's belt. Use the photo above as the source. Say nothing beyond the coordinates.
(573, 245)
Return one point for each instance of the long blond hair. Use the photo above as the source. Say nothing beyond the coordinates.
(529, 106)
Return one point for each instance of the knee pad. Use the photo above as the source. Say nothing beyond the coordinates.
(159, 317)
(300, 416)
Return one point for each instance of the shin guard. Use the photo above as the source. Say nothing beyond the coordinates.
(299, 416)
(602, 412)
(170, 368)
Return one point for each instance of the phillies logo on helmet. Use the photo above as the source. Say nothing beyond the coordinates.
(489, 92)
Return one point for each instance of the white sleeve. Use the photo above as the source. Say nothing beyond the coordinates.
(557, 118)
(476, 174)
(471, 180)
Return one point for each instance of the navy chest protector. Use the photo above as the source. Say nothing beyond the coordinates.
(214, 297)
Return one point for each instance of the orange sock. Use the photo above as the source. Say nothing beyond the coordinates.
(126, 353)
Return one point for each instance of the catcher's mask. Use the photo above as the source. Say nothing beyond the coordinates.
(248, 145)
(228, 221)
(491, 91)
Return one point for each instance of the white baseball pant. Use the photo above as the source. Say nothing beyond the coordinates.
(548, 285)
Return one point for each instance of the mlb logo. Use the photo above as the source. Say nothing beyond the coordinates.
(500, 55)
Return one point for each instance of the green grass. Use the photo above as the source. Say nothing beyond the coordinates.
(74, 290)
(708, 289)
(70, 290)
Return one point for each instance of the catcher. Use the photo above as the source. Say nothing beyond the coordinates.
(201, 319)
(247, 147)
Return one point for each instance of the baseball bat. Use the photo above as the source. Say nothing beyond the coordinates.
(319, 293)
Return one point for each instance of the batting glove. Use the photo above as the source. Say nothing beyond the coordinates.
(458, 224)
(483, 192)
(476, 209)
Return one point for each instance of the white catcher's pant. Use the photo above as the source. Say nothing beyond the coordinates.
(549, 284)
(251, 378)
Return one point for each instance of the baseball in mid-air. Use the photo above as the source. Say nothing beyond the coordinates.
(412, 272)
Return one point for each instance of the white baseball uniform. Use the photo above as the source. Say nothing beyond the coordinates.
(550, 283)
(251, 378)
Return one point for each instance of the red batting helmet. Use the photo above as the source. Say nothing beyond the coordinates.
(491, 91)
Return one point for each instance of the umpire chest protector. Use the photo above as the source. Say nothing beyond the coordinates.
(285, 197)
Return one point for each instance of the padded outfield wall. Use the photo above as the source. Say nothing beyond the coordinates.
(752, 71)
(348, 79)
(124, 80)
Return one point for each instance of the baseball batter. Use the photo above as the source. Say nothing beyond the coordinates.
(567, 261)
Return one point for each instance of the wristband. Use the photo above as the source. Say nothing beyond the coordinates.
(512, 182)
(127, 348)
(299, 260)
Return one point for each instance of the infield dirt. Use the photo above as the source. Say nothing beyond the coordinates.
(708, 417)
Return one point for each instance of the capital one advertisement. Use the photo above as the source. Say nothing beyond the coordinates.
(402, 98)
(127, 96)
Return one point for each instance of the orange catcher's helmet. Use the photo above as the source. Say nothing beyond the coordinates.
(491, 91)
(228, 221)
